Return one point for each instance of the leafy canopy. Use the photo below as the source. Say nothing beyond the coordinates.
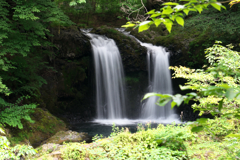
(175, 12)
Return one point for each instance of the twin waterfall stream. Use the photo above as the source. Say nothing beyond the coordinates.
(110, 85)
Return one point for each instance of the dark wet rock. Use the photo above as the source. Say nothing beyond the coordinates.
(68, 87)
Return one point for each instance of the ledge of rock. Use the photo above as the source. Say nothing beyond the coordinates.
(69, 136)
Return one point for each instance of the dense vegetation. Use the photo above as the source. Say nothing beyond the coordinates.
(25, 43)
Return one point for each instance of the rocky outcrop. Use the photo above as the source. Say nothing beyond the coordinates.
(68, 136)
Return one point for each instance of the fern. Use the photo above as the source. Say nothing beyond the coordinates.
(12, 114)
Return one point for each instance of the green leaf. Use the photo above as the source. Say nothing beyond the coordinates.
(186, 11)
(128, 25)
(237, 116)
(202, 120)
(170, 4)
(156, 15)
(159, 141)
(197, 129)
(163, 101)
(150, 95)
(173, 104)
(220, 105)
(178, 99)
(234, 135)
(167, 11)
(217, 6)
(169, 27)
(2, 131)
(223, 7)
(151, 12)
(180, 21)
(199, 8)
(157, 22)
(187, 87)
(81, 1)
(168, 23)
(73, 3)
(144, 26)
(225, 86)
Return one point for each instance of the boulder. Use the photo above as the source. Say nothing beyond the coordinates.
(68, 136)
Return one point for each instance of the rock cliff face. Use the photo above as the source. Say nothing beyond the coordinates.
(68, 88)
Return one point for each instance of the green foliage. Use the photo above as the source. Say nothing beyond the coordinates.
(160, 143)
(23, 33)
(168, 14)
(12, 114)
(220, 23)
(7, 152)
(221, 127)
(217, 89)
(217, 85)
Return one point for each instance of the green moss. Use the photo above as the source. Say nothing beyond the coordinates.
(34, 133)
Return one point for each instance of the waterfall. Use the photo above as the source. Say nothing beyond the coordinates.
(159, 78)
(159, 81)
(109, 77)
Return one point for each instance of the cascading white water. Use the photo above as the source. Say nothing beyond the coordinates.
(159, 78)
(109, 75)
(159, 82)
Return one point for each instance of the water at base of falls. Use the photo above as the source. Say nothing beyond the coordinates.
(109, 76)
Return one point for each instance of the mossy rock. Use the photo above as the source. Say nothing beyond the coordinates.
(45, 126)
(68, 136)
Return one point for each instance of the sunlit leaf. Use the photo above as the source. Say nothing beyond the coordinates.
(73, 3)
(157, 22)
(179, 7)
(234, 135)
(154, 94)
(128, 25)
(199, 8)
(144, 26)
(186, 11)
(173, 104)
(178, 99)
(167, 11)
(217, 6)
(170, 4)
(155, 15)
(149, 95)
(151, 12)
(180, 21)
